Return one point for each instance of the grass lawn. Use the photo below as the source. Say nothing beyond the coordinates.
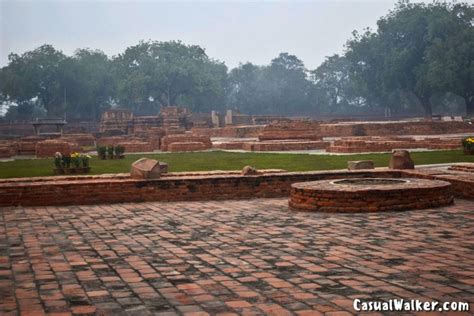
(219, 160)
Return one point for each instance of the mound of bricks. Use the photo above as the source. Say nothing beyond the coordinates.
(27, 145)
(187, 146)
(8, 149)
(290, 130)
(136, 146)
(81, 139)
(185, 138)
(48, 148)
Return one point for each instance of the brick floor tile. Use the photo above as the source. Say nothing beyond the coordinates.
(227, 258)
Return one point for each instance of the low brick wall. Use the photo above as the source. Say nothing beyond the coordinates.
(303, 130)
(229, 145)
(285, 145)
(387, 144)
(8, 149)
(136, 146)
(282, 145)
(230, 131)
(467, 167)
(80, 139)
(48, 148)
(94, 190)
(185, 138)
(187, 146)
(27, 145)
(113, 140)
(462, 184)
(190, 186)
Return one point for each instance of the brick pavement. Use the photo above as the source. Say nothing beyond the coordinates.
(228, 257)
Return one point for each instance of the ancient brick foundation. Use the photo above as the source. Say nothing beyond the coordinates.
(189, 186)
(234, 145)
(136, 146)
(186, 146)
(173, 187)
(290, 130)
(48, 148)
(297, 129)
(284, 145)
(115, 140)
(466, 167)
(8, 149)
(118, 120)
(370, 195)
(27, 145)
(386, 144)
(80, 139)
(230, 131)
(185, 138)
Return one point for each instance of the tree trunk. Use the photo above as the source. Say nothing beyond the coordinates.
(425, 102)
(469, 106)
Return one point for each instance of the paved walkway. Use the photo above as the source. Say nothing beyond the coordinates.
(244, 257)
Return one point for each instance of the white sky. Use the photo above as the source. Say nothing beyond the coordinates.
(231, 31)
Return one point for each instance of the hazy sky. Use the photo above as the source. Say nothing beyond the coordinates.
(231, 31)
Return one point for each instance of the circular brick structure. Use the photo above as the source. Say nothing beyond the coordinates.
(369, 195)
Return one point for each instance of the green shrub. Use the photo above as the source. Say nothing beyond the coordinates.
(101, 151)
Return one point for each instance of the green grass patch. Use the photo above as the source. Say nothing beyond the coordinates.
(219, 160)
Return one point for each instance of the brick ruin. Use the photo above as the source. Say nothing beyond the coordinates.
(369, 195)
(195, 186)
(185, 142)
(49, 147)
(387, 144)
(235, 131)
(173, 119)
(304, 130)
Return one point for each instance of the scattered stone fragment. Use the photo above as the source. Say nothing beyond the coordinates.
(145, 168)
(360, 164)
(401, 160)
(249, 171)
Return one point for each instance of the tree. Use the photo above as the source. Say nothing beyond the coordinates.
(89, 85)
(450, 57)
(334, 88)
(36, 73)
(397, 56)
(161, 73)
(286, 86)
(244, 89)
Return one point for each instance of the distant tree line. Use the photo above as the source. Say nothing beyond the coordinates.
(418, 60)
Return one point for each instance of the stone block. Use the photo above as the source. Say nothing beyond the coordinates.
(249, 171)
(401, 160)
(145, 168)
(163, 167)
(360, 165)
